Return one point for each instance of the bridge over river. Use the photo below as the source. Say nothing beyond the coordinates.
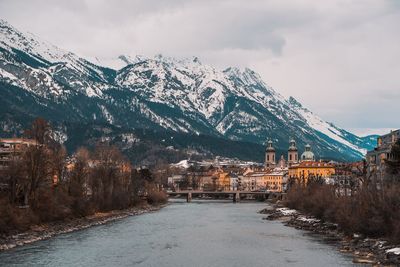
(236, 194)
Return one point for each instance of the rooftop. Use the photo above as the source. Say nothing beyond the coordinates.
(311, 164)
(17, 141)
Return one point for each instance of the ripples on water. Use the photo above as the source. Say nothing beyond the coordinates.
(201, 233)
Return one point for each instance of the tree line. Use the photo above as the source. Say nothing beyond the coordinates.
(44, 184)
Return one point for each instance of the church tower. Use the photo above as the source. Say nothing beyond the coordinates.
(270, 155)
(292, 153)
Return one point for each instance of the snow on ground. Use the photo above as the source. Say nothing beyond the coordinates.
(394, 251)
(59, 136)
(182, 164)
(323, 127)
(305, 219)
(286, 211)
(93, 92)
(129, 138)
(106, 114)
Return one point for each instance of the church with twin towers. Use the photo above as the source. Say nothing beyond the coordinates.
(292, 155)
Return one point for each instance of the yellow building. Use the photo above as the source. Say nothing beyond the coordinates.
(207, 182)
(304, 170)
(223, 180)
(274, 180)
(255, 181)
(269, 179)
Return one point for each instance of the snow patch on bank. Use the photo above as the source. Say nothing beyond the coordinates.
(309, 220)
(286, 211)
(394, 251)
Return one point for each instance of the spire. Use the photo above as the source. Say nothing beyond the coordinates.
(270, 146)
(292, 152)
(292, 145)
(270, 154)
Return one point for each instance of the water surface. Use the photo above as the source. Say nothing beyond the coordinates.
(201, 233)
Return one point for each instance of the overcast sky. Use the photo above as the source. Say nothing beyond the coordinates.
(341, 59)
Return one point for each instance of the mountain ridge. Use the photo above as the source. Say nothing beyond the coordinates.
(183, 96)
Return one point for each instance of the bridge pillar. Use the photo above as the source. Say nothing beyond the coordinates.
(236, 197)
(189, 197)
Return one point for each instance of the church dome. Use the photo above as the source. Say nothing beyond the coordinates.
(307, 155)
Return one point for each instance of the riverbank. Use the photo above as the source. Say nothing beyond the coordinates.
(365, 250)
(48, 230)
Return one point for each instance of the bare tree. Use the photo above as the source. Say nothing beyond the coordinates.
(38, 160)
(106, 176)
(16, 177)
(39, 131)
(58, 159)
(38, 170)
(79, 175)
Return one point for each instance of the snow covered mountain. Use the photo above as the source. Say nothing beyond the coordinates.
(184, 96)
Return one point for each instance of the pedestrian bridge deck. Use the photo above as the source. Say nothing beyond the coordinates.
(236, 194)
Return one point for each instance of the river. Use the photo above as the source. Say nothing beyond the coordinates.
(201, 233)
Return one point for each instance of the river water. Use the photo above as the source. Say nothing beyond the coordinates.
(201, 233)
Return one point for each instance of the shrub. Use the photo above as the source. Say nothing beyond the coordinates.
(372, 212)
(82, 207)
(13, 218)
(53, 205)
(156, 197)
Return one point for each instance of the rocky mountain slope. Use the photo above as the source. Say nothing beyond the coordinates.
(160, 93)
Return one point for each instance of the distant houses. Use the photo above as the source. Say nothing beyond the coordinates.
(277, 174)
(12, 148)
(274, 176)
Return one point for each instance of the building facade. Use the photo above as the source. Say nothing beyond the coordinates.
(303, 171)
(376, 158)
(11, 148)
(275, 180)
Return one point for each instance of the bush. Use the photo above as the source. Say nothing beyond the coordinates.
(157, 197)
(372, 212)
(82, 207)
(13, 218)
(53, 205)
